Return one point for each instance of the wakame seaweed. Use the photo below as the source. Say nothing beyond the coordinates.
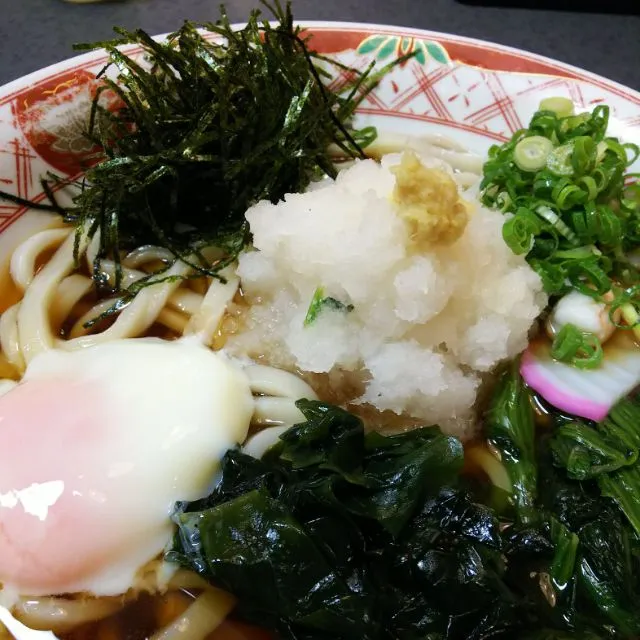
(205, 128)
(337, 533)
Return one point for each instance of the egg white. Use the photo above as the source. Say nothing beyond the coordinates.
(165, 415)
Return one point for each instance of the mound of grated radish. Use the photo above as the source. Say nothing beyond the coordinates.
(420, 323)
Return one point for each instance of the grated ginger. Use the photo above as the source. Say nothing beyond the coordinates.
(429, 202)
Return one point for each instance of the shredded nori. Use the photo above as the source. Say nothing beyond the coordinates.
(206, 128)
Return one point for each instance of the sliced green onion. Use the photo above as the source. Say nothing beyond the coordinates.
(617, 148)
(574, 125)
(365, 136)
(544, 123)
(588, 184)
(319, 303)
(601, 149)
(626, 303)
(578, 348)
(546, 246)
(519, 232)
(579, 253)
(530, 154)
(597, 222)
(553, 276)
(600, 120)
(557, 223)
(503, 201)
(634, 150)
(583, 157)
(632, 318)
(566, 194)
(559, 160)
(631, 195)
(315, 306)
(586, 204)
(543, 184)
(601, 179)
(588, 278)
(561, 106)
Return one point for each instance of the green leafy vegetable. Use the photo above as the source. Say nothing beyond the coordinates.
(566, 544)
(608, 452)
(510, 430)
(320, 303)
(606, 572)
(562, 180)
(623, 486)
(337, 533)
(594, 537)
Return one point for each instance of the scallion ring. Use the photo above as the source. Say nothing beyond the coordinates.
(559, 160)
(560, 105)
(503, 201)
(589, 185)
(583, 156)
(634, 150)
(557, 223)
(566, 195)
(588, 278)
(519, 231)
(530, 154)
(580, 349)
(617, 148)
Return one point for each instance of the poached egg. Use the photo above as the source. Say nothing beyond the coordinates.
(97, 446)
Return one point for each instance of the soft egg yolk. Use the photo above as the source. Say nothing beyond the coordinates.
(97, 446)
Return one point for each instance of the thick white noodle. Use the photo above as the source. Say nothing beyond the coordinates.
(70, 291)
(278, 391)
(259, 444)
(108, 271)
(138, 315)
(23, 260)
(207, 612)
(186, 301)
(30, 223)
(61, 614)
(182, 299)
(172, 319)
(276, 382)
(271, 411)
(34, 328)
(460, 161)
(466, 180)
(9, 340)
(30, 327)
(465, 166)
(205, 322)
(18, 631)
(167, 317)
(187, 580)
(146, 254)
(79, 329)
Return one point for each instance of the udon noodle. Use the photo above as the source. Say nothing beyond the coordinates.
(57, 303)
(50, 303)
